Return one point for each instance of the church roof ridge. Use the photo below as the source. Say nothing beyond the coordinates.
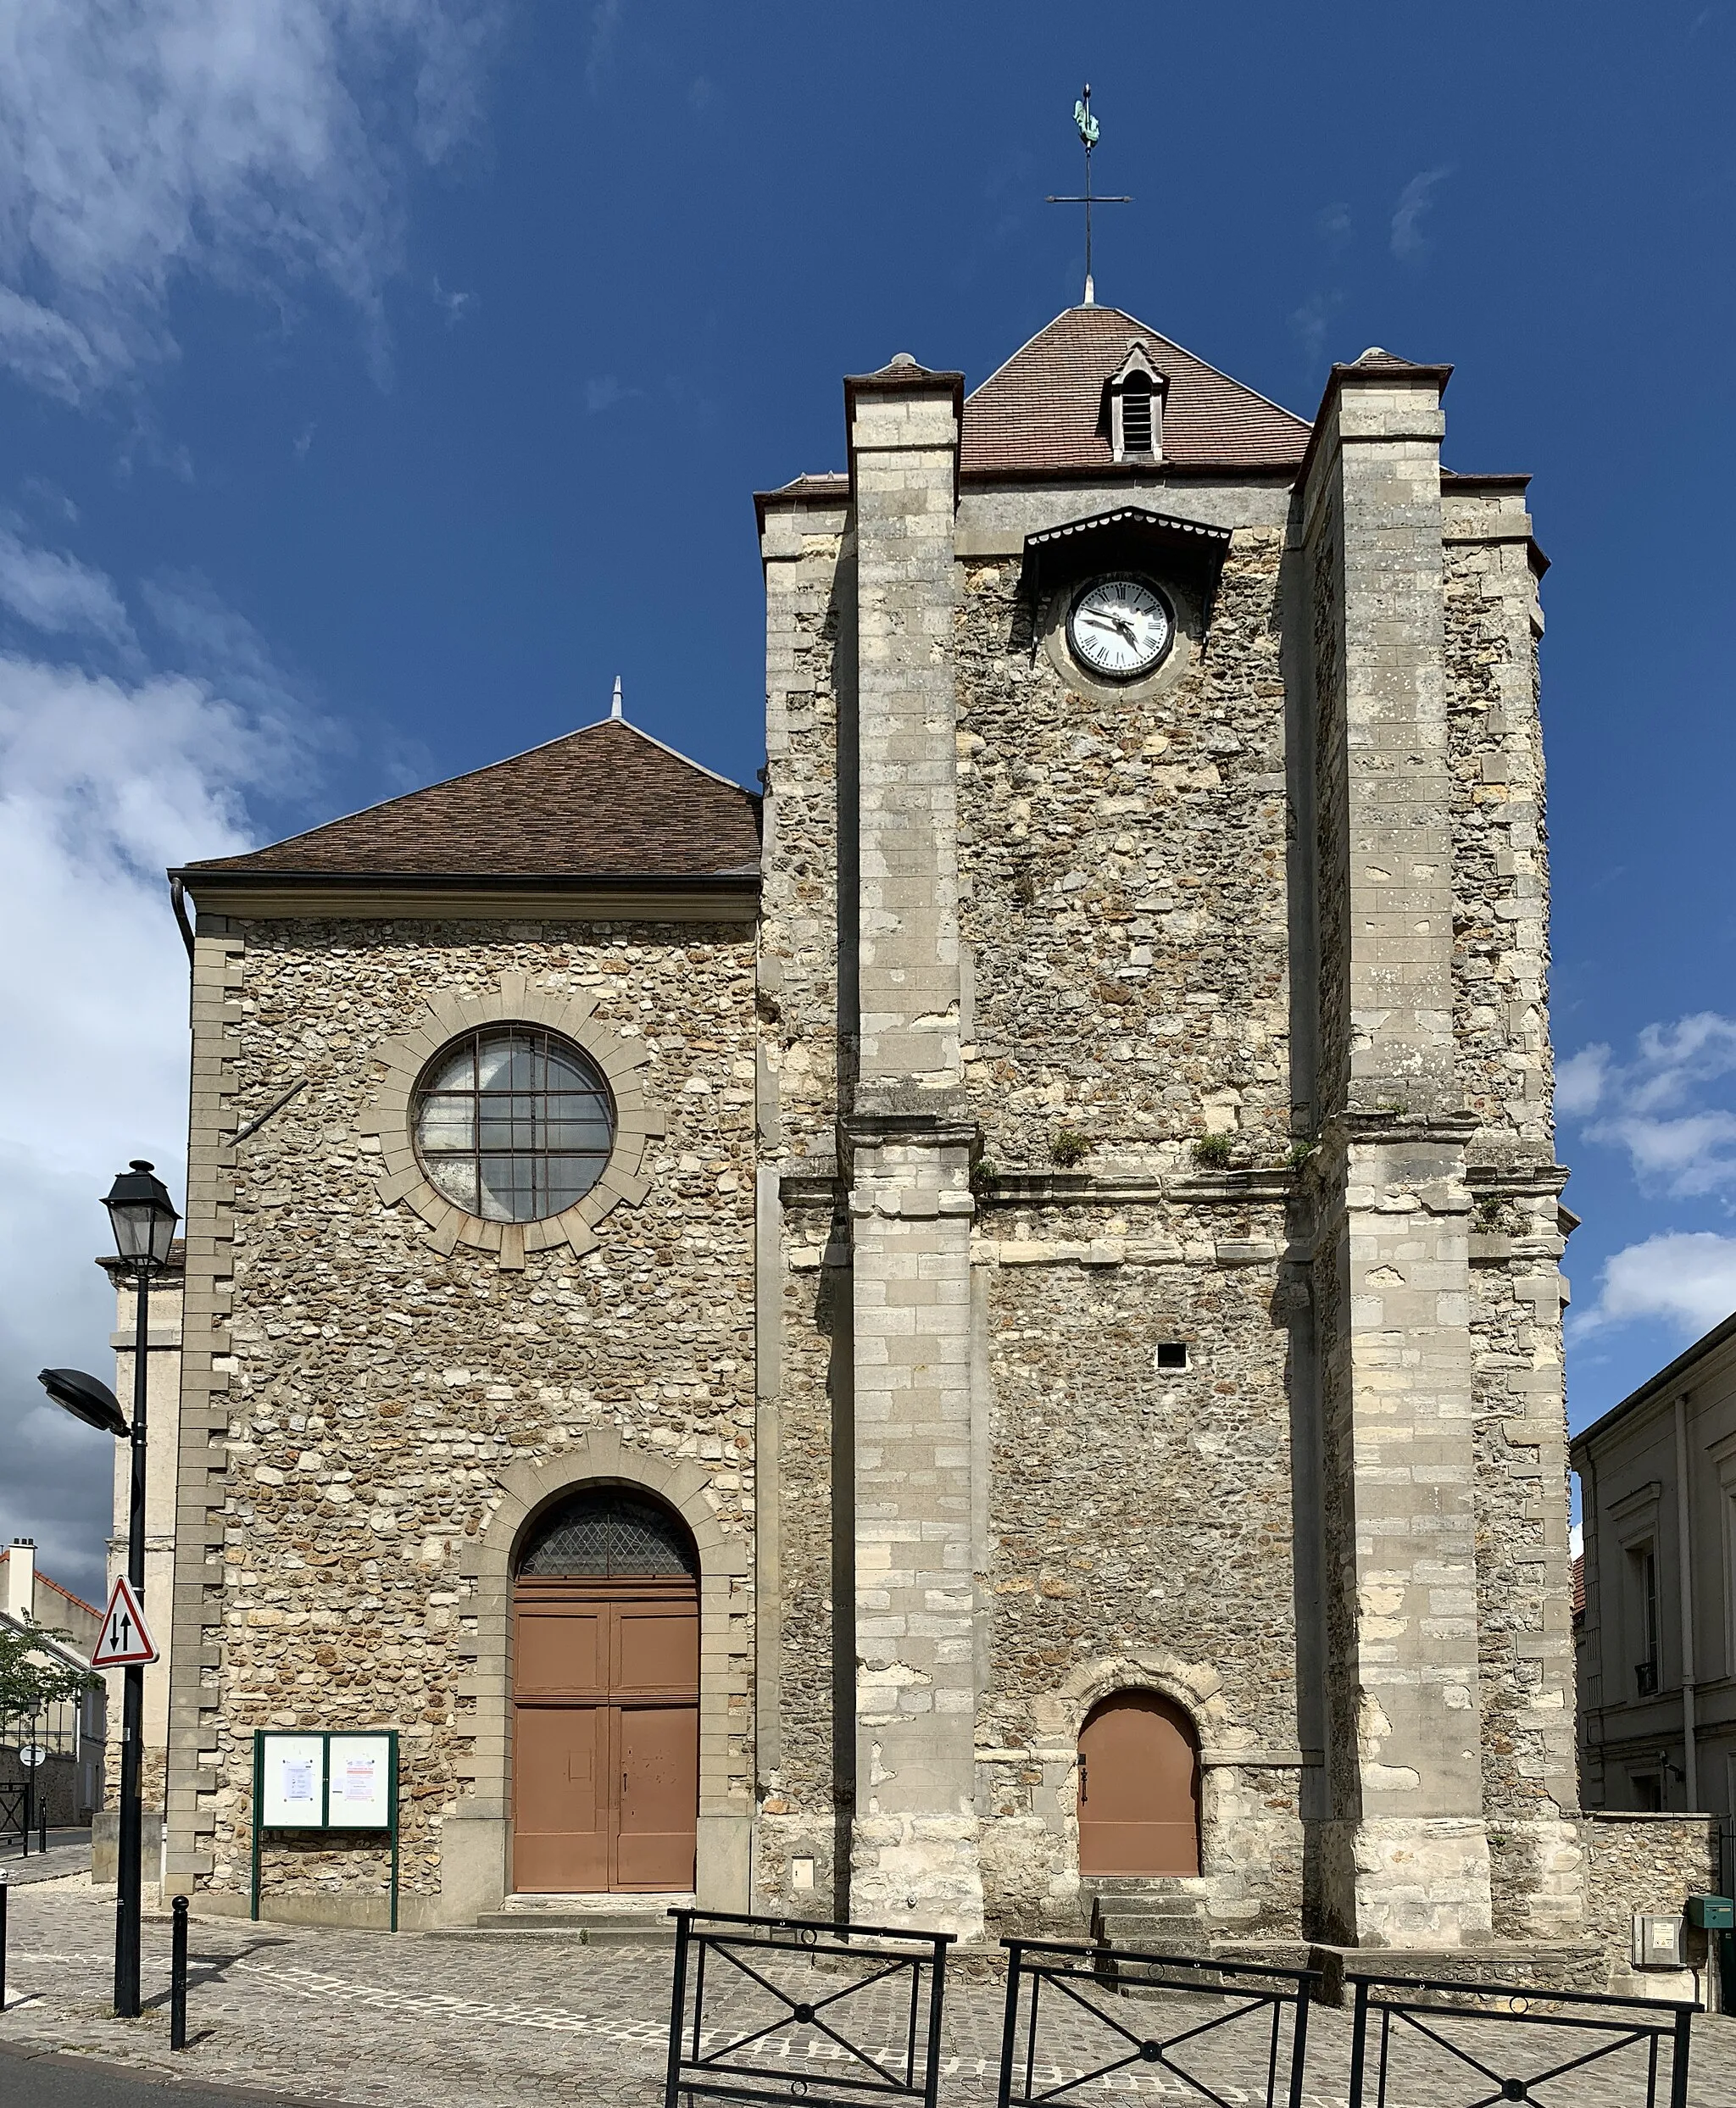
(607, 800)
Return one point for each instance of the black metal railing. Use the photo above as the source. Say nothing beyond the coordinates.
(1510, 2042)
(15, 1816)
(1223, 2033)
(773, 2009)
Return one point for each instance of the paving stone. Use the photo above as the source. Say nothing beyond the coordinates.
(319, 2016)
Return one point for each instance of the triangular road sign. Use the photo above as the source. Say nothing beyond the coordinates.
(126, 1638)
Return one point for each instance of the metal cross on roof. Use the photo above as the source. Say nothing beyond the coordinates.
(1087, 133)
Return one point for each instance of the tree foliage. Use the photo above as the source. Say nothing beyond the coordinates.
(31, 1678)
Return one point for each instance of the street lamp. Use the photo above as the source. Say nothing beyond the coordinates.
(143, 1220)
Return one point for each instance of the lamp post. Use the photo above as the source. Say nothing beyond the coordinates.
(144, 1219)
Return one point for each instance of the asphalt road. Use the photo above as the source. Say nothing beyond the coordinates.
(62, 2082)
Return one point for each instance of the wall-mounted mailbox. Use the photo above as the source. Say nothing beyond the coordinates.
(1712, 1914)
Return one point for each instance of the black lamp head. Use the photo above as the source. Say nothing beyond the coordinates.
(85, 1398)
(142, 1215)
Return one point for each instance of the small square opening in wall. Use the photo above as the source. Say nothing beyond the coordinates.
(1172, 1353)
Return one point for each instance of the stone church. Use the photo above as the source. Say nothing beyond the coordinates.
(971, 1338)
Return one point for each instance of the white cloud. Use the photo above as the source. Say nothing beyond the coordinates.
(102, 783)
(452, 304)
(1685, 1158)
(605, 26)
(1312, 321)
(1684, 1279)
(255, 141)
(1334, 225)
(1580, 1080)
(57, 594)
(1654, 1106)
(1409, 244)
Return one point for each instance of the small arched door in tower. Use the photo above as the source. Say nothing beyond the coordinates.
(1138, 1787)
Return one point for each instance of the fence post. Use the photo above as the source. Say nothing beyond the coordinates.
(936, 2003)
(1678, 2058)
(1359, 2041)
(177, 1977)
(1298, 2045)
(1009, 2025)
(678, 2009)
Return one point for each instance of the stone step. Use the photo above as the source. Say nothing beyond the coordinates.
(591, 1928)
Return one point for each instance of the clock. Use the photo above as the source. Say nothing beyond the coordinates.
(1120, 628)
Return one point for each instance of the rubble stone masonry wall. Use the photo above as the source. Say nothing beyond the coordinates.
(1139, 1533)
(377, 1389)
(1500, 870)
(810, 654)
(801, 1791)
(1123, 861)
(1647, 1864)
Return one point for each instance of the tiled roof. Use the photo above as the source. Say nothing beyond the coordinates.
(43, 1582)
(609, 801)
(1042, 412)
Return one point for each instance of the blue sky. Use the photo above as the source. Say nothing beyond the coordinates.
(378, 378)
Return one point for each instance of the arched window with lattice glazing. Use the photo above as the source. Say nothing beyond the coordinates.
(607, 1533)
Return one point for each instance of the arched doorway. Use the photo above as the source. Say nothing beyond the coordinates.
(605, 1696)
(1138, 1787)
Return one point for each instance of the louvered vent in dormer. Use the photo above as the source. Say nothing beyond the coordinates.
(1135, 393)
(1136, 416)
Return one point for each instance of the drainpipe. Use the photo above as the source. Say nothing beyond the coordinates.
(177, 900)
(1684, 1573)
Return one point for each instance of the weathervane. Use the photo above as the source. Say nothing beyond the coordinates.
(1087, 132)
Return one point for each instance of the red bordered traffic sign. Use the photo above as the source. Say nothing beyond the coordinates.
(126, 1638)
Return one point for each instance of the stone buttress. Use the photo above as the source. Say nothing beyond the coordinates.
(1403, 1852)
(907, 1148)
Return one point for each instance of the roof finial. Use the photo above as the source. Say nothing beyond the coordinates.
(1089, 128)
(614, 707)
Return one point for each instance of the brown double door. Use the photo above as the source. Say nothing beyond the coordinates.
(605, 1735)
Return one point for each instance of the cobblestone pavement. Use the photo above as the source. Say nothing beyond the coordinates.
(363, 2017)
(68, 1853)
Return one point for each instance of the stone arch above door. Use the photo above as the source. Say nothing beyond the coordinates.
(485, 1686)
(1194, 1686)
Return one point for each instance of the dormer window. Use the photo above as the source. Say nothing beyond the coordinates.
(1135, 393)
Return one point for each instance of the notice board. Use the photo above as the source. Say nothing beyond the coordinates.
(328, 1780)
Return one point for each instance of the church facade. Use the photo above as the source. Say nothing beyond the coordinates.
(973, 1340)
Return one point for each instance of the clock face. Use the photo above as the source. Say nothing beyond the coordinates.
(1120, 628)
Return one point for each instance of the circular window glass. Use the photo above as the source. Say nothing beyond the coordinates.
(512, 1124)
